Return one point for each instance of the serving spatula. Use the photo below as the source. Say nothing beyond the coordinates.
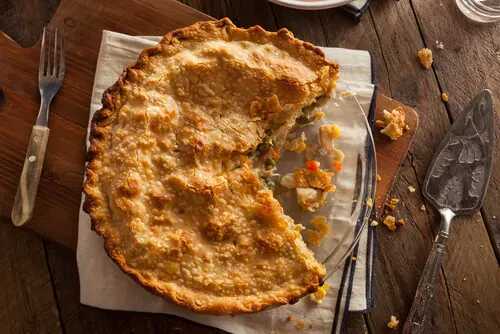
(455, 184)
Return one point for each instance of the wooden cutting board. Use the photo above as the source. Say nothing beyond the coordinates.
(58, 202)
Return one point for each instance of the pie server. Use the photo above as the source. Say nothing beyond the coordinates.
(455, 184)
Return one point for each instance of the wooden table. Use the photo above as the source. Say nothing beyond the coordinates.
(39, 280)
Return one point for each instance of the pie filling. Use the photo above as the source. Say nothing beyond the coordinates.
(177, 154)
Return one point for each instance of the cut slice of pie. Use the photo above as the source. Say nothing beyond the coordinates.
(174, 180)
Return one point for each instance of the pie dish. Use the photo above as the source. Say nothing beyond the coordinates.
(176, 159)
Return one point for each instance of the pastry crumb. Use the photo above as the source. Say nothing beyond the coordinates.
(374, 223)
(289, 318)
(337, 157)
(319, 231)
(444, 97)
(425, 57)
(300, 324)
(320, 294)
(422, 208)
(354, 258)
(327, 134)
(393, 202)
(439, 45)
(393, 322)
(298, 144)
(411, 189)
(318, 115)
(393, 125)
(379, 178)
(369, 202)
(332, 131)
(390, 222)
(310, 199)
(401, 221)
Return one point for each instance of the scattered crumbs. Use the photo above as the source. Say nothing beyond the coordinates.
(318, 115)
(374, 223)
(393, 202)
(390, 222)
(477, 301)
(393, 124)
(346, 93)
(300, 324)
(369, 202)
(465, 279)
(380, 124)
(354, 258)
(338, 159)
(289, 318)
(320, 229)
(411, 189)
(379, 178)
(423, 207)
(401, 221)
(329, 132)
(494, 217)
(481, 246)
(439, 45)
(444, 97)
(298, 144)
(320, 294)
(32, 158)
(425, 57)
(393, 322)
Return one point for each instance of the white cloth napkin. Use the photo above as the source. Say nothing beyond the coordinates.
(104, 285)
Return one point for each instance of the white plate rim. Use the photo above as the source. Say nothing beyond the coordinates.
(311, 5)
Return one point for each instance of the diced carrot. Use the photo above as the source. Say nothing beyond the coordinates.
(312, 165)
(337, 166)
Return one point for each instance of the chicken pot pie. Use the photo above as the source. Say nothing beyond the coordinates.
(177, 153)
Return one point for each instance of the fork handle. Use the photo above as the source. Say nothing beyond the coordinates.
(24, 201)
(416, 321)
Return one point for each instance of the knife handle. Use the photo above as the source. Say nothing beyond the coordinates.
(421, 308)
(24, 201)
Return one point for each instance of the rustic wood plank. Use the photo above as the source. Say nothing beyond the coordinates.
(60, 186)
(23, 20)
(356, 324)
(470, 61)
(399, 36)
(399, 39)
(398, 266)
(28, 303)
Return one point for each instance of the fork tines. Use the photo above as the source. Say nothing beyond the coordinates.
(51, 55)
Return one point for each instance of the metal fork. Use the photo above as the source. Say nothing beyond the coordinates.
(50, 77)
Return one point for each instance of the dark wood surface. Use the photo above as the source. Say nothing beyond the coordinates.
(58, 198)
(40, 283)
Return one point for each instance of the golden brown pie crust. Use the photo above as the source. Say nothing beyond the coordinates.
(171, 185)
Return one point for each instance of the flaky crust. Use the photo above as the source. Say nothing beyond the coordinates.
(97, 203)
